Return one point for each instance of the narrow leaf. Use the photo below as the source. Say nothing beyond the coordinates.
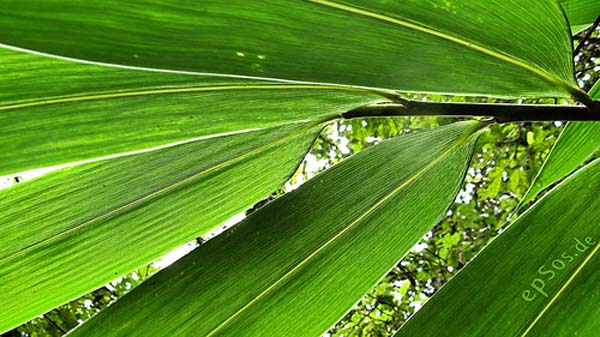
(73, 230)
(54, 111)
(472, 47)
(297, 265)
(581, 13)
(577, 143)
(539, 278)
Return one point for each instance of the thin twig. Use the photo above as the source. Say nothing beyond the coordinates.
(409, 275)
(327, 141)
(54, 324)
(441, 263)
(587, 36)
(588, 69)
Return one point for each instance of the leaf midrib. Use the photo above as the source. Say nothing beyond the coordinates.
(344, 230)
(560, 291)
(49, 169)
(191, 89)
(575, 91)
(148, 196)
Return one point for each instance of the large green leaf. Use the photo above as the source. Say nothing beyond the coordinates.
(577, 142)
(336, 235)
(73, 230)
(539, 278)
(54, 111)
(581, 13)
(185, 144)
(471, 47)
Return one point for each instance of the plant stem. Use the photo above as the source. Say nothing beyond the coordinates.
(501, 113)
(587, 36)
(54, 324)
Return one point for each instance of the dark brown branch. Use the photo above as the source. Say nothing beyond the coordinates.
(587, 36)
(54, 324)
(327, 141)
(587, 69)
(500, 113)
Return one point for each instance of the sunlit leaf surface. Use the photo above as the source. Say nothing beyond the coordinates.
(539, 278)
(468, 47)
(297, 265)
(55, 112)
(73, 230)
(581, 13)
(577, 143)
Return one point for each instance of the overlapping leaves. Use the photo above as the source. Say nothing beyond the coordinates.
(336, 235)
(539, 278)
(205, 102)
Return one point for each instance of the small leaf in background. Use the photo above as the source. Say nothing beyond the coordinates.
(530, 138)
(516, 179)
(493, 188)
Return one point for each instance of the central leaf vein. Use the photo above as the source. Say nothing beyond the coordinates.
(577, 92)
(343, 231)
(147, 197)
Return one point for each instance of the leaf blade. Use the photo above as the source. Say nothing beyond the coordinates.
(230, 38)
(71, 231)
(577, 142)
(265, 261)
(581, 13)
(80, 112)
(510, 288)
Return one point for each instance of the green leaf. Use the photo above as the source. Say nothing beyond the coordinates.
(581, 13)
(539, 278)
(577, 143)
(73, 230)
(54, 112)
(494, 185)
(530, 138)
(336, 235)
(517, 179)
(474, 47)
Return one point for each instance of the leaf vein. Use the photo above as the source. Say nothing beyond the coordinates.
(121, 94)
(344, 230)
(575, 91)
(161, 191)
(560, 291)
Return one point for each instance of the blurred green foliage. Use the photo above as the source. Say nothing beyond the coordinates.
(507, 158)
(60, 320)
(506, 161)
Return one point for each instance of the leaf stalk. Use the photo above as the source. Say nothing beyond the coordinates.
(499, 112)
